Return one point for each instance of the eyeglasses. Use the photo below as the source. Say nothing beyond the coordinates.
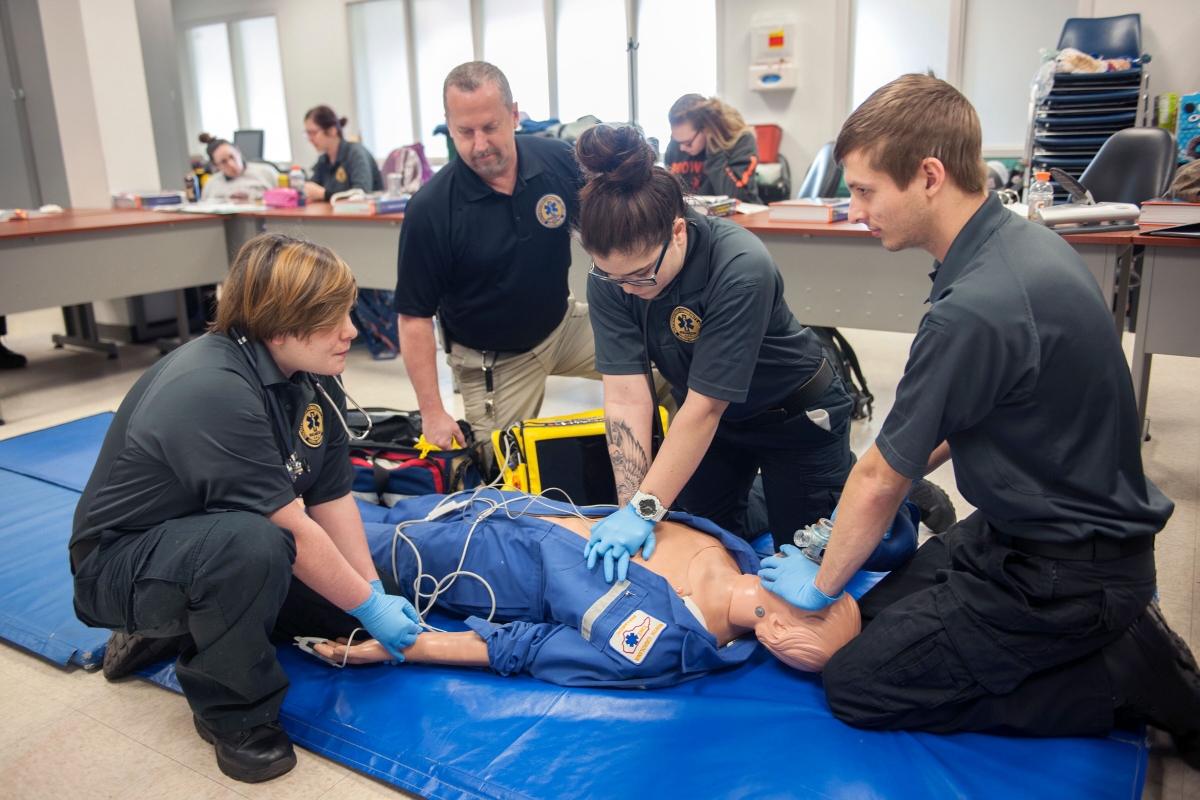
(649, 280)
(690, 142)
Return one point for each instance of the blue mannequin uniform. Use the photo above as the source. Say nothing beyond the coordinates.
(564, 623)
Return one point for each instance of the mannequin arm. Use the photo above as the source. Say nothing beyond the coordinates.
(461, 649)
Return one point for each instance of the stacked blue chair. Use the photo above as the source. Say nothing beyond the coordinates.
(1081, 111)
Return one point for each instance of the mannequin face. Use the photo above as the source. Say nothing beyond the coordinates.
(805, 640)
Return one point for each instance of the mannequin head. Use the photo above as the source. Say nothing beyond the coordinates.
(805, 640)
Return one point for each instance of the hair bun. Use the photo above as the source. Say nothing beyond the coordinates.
(618, 155)
(205, 138)
(342, 122)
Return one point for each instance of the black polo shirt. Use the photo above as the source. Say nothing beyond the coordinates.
(1017, 365)
(492, 267)
(193, 436)
(721, 327)
(355, 168)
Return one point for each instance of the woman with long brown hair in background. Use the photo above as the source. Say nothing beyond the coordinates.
(712, 150)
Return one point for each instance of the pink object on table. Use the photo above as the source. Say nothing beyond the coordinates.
(281, 197)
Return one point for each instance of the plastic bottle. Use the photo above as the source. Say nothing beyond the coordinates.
(296, 181)
(813, 539)
(1041, 195)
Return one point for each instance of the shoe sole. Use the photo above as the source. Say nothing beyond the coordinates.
(117, 660)
(245, 775)
(937, 510)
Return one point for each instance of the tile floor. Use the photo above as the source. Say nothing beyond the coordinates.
(134, 740)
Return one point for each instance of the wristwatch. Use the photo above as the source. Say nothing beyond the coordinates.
(648, 507)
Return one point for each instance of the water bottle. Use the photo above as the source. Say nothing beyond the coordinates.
(1041, 195)
(296, 181)
(813, 539)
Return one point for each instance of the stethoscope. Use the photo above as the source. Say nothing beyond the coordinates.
(296, 464)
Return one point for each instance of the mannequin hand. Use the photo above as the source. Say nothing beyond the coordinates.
(791, 577)
(442, 430)
(391, 620)
(377, 586)
(617, 537)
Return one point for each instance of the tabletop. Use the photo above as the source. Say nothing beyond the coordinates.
(88, 220)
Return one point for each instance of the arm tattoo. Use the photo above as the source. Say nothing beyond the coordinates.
(629, 460)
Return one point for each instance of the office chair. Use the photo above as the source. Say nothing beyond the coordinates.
(823, 176)
(1109, 37)
(1133, 166)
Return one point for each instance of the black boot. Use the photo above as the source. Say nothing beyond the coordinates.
(1155, 681)
(9, 359)
(252, 755)
(127, 653)
(937, 511)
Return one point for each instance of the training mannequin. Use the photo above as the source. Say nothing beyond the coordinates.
(708, 573)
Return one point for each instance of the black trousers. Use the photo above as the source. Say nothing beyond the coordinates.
(225, 579)
(804, 468)
(971, 635)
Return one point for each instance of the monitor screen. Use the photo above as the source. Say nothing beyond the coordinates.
(580, 466)
(250, 143)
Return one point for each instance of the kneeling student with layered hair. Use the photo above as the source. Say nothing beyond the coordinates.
(696, 606)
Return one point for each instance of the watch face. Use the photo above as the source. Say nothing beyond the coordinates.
(647, 507)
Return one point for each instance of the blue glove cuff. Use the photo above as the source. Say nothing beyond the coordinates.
(377, 586)
(367, 608)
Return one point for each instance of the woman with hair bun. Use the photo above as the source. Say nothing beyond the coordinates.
(701, 299)
(342, 165)
(712, 150)
(234, 181)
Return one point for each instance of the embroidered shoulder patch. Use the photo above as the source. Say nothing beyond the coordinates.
(634, 637)
(551, 211)
(312, 427)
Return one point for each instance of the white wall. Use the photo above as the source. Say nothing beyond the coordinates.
(114, 53)
(314, 46)
(1170, 32)
(74, 103)
(811, 114)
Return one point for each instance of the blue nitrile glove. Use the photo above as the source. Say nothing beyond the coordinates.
(391, 620)
(791, 577)
(617, 537)
(377, 586)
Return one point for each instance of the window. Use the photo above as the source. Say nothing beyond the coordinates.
(213, 70)
(895, 37)
(378, 42)
(442, 31)
(997, 69)
(514, 39)
(676, 56)
(246, 92)
(593, 64)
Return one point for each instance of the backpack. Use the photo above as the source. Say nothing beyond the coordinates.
(845, 363)
(410, 163)
(377, 323)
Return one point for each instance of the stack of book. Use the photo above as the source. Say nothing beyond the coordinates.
(370, 206)
(1166, 212)
(147, 200)
(714, 205)
(810, 209)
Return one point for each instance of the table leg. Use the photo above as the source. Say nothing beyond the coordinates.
(1125, 268)
(81, 330)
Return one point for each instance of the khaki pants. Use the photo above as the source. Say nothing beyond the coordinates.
(519, 380)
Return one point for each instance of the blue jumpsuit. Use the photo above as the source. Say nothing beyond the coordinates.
(563, 623)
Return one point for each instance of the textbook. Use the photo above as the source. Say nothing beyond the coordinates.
(1156, 212)
(713, 205)
(825, 209)
(147, 199)
(371, 206)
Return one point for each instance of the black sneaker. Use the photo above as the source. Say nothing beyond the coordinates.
(252, 755)
(127, 653)
(9, 359)
(937, 512)
(1155, 681)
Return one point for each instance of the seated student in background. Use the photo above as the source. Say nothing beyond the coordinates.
(696, 606)
(343, 165)
(712, 150)
(234, 180)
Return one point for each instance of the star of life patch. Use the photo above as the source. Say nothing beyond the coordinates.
(634, 637)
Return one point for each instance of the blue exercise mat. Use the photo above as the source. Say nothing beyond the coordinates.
(760, 730)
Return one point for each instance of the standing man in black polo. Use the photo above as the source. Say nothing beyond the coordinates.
(1034, 615)
(486, 245)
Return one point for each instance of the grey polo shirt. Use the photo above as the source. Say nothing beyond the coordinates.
(193, 436)
(1016, 365)
(721, 327)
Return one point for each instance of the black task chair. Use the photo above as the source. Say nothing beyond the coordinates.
(823, 176)
(1107, 37)
(1133, 166)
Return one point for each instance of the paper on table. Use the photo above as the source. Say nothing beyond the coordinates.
(214, 208)
(749, 208)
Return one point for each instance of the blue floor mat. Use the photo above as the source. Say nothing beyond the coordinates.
(760, 730)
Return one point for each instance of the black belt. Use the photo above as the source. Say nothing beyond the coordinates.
(1097, 548)
(795, 403)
